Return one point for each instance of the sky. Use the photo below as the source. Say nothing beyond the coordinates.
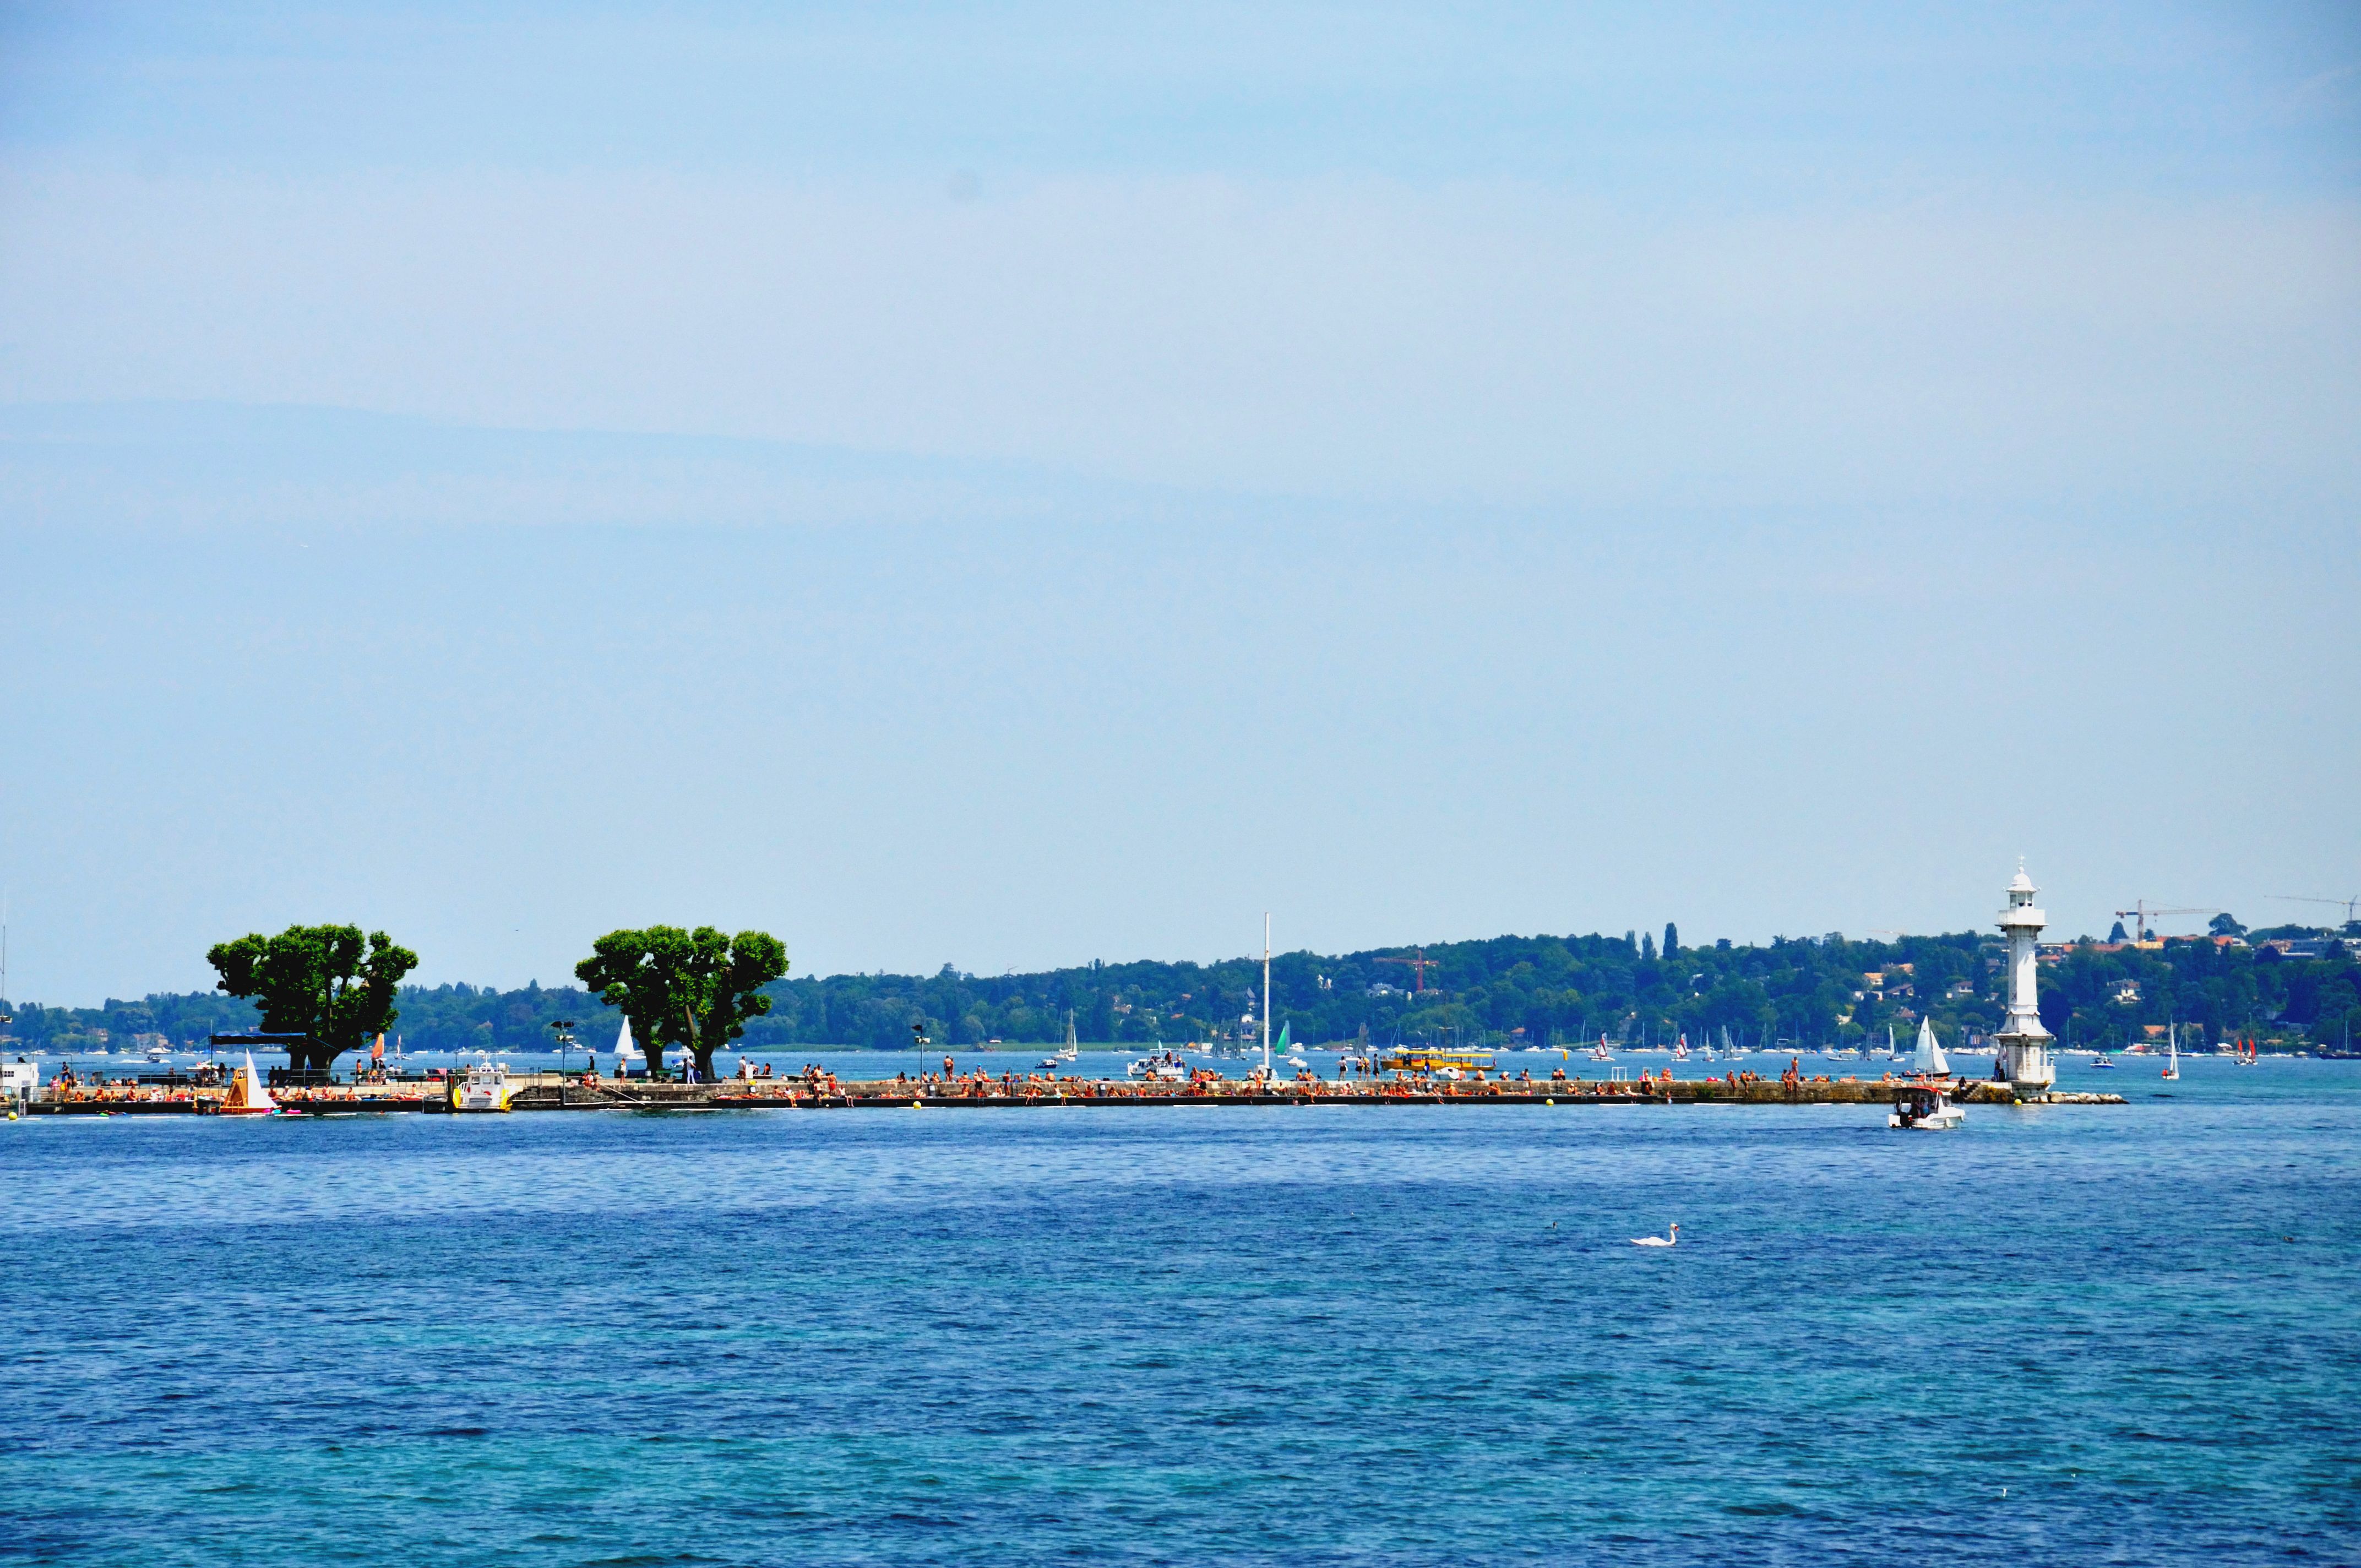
(1009, 486)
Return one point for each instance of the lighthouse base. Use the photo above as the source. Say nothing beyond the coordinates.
(2025, 1064)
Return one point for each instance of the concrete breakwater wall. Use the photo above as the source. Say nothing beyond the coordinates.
(548, 1091)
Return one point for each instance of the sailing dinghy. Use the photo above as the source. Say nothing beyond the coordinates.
(249, 1096)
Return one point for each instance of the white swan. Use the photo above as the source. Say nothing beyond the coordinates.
(1658, 1241)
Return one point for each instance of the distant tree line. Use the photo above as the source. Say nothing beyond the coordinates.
(1506, 990)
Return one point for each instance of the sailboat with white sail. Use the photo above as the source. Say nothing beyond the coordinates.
(2172, 1062)
(249, 1095)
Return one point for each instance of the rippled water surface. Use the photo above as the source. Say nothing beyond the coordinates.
(1307, 1334)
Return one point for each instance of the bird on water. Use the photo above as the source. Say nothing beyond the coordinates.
(1658, 1241)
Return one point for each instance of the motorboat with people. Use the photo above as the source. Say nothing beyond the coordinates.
(2102, 1061)
(1924, 1105)
(1925, 1108)
(1162, 1066)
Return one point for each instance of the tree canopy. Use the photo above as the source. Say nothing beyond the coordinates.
(329, 983)
(695, 989)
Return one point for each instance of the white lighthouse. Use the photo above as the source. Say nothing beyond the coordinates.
(2025, 1059)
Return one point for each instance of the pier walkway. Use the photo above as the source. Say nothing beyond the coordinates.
(555, 1092)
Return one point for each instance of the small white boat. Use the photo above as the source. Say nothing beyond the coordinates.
(2104, 1062)
(2172, 1067)
(1928, 1059)
(1925, 1108)
(485, 1088)
(1164, 1067)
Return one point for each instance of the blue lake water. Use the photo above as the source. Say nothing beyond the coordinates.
(1300, 1335)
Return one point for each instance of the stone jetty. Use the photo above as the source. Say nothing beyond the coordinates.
(556, 1091)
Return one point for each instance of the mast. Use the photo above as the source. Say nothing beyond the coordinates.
(1266, 993)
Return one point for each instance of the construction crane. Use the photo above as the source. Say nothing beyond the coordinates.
(1418, 966)
(2140, 914)
(2349, 904)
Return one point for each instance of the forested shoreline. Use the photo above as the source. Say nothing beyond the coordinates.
(1503, 990)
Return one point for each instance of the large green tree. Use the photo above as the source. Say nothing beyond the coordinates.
(325, 981)
(685, 988)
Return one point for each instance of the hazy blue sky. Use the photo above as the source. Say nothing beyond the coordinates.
(1010, 487)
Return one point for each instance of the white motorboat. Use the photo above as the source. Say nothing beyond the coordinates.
(1925, 1108)
(485, 1088)
(1164, 1067)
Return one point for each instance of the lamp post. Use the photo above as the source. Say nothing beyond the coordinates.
(562, 1028)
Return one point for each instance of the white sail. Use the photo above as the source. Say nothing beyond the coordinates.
(624, 1050)
(1929, 1057)
(251, 1098)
